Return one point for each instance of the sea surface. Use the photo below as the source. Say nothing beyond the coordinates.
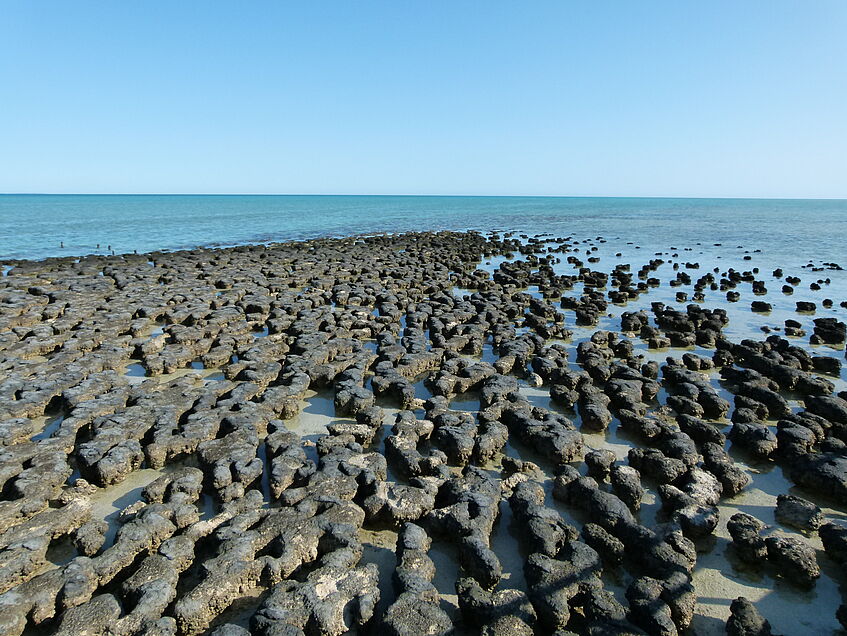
(35, 226)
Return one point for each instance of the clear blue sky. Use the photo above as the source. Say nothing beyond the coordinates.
(676, 98)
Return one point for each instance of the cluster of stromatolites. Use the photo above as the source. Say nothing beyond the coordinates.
(248, 513)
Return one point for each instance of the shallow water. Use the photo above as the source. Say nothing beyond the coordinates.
(108, 502)
(135, 373)
(317, 414)
(445, 555)
(379, 549)
(156, 222)
(48, 425)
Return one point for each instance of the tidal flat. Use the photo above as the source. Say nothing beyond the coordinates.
(424, 433)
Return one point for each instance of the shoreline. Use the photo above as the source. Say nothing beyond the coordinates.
(362, 394)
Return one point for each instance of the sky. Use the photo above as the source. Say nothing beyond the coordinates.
(607, 98)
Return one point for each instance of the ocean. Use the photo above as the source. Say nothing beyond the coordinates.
(787, 230)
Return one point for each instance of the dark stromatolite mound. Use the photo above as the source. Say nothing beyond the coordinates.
(746, 620)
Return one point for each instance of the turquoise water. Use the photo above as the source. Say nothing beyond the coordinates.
(32, 226)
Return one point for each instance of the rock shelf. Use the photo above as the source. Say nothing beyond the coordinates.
(301, 438)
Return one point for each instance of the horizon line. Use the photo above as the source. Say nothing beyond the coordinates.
(493, 196)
